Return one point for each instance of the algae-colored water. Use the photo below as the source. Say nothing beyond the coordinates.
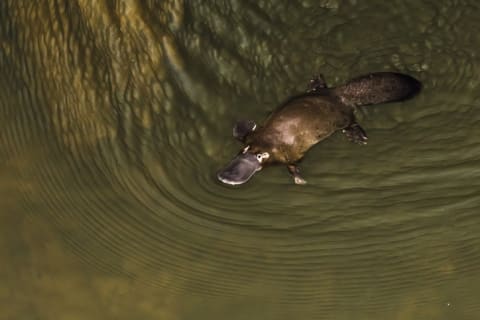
(115, 116)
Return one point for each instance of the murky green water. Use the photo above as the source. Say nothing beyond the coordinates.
(116, 115)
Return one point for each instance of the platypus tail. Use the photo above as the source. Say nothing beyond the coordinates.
(379, 87)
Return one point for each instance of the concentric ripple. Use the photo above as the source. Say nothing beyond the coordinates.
(120, 114)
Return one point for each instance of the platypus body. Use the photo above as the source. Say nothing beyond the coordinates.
(306, 119)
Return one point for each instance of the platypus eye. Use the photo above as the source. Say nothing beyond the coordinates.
(262, 156)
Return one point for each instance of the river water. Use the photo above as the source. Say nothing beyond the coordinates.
(116, 115)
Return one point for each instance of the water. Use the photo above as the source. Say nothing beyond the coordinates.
(116, 116)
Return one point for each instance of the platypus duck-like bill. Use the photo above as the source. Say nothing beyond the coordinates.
(241, 168)
(306, 119)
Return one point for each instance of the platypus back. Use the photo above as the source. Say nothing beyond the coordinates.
(379, 87)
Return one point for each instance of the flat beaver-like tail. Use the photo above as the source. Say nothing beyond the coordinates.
(378, 87)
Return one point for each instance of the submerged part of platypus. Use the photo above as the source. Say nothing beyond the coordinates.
(306, 119)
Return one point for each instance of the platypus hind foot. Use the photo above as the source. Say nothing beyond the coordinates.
(295, 172)
(355, 133)
(316, 84)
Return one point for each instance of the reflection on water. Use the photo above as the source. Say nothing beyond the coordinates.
(116, 115)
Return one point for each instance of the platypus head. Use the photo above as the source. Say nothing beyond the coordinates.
(243, 166)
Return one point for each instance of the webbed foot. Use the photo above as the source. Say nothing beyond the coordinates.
(243, 128)
(355, 133)
(295, 172)
(316, 84)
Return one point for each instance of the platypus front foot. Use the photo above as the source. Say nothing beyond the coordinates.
(355, 133)
(295, 172)
(243, 128)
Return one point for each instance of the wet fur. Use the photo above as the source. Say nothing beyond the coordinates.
(306, 119)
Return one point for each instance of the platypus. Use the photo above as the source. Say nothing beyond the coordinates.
(306, 119)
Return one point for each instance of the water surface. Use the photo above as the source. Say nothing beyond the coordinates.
(116, 115)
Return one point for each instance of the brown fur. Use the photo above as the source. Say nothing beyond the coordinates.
(297, 125)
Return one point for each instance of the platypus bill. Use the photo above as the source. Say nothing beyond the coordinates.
(304, 120)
